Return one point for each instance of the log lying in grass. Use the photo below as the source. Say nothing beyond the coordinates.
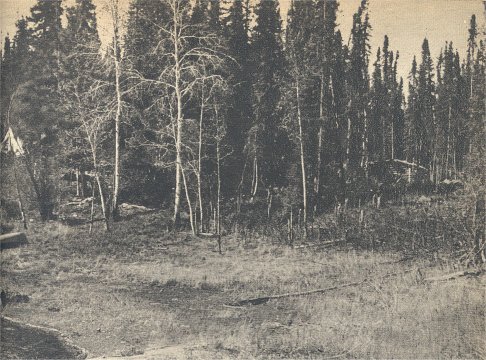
(265, 299)
(319, 244)
(208, 235)
(12, 240)
(453, 276)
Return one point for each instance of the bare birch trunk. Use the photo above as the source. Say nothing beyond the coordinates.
(189, 203)
(103, 204)
(199, 175)
(77, 183)
(255, 177)
(218, 203)
(116, 174)
(302, 160)
(19, 194)
(91, 215)
(117, 60)
(179, 120)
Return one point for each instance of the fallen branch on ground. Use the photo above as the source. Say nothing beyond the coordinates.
(325, 243)
(453, 275)
(265, 299)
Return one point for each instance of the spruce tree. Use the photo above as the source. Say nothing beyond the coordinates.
(268, 140)
(355, 134)
(39, 105)
(425, 128)
(240, 109)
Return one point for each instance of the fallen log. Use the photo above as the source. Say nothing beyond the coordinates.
(264, 299)
(320, 244)
(12, 240)
(453, 276)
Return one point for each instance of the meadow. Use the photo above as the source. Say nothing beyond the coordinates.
(141, 292)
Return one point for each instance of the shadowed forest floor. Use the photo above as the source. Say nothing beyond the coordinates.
(143, 293)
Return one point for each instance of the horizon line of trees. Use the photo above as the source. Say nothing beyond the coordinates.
(192, 103)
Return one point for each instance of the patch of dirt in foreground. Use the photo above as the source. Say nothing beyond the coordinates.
(20, 341)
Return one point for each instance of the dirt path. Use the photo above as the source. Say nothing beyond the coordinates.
(20, 341)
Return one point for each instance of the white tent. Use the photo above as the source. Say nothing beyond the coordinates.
(10, 144)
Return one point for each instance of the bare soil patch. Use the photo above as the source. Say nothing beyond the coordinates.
(21, 341)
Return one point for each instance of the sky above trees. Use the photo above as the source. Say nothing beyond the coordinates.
(405, 22)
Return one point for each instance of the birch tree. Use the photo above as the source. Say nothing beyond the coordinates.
(187, 57)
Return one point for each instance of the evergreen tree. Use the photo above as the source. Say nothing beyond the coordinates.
(326, 48)
(377, 95)
(425, 127)
(355, 135)
(240, 110)
(38, 107)
(412, 114)
(267, 139)
(80, 74)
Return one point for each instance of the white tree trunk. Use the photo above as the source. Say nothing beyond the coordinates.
(115, 14)
(179, 119)
(302, 159)
(189, 204)
(199, 175)
(218, 202)
(116, 174)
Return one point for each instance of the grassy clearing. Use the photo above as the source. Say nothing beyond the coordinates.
(140, 288)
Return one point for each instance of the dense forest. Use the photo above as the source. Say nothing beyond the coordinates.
(220, 114)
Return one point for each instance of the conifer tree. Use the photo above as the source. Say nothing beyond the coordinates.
(38, 107)
(267, 140)
(425, 129)
(240, 110)
(355, 134)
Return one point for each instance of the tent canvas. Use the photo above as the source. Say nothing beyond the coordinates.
(10, 144)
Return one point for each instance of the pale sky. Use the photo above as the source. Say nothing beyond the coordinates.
(406, 22)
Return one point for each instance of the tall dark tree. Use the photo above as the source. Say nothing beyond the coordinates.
(240, 111)
(80, 72)
(355, 134)
(37, 106)
(426, 150)
(268, 141)
(326, 46)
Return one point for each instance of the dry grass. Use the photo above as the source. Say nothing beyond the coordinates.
(140, 288)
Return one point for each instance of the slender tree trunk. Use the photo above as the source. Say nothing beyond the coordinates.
(179, 120)
(218, 203)
(103, 203)
(117, 60)
(199, 158)
(348, 145)
(446, 170)
(302, 159)
(480, 230)
(364, 145)
(116, 174)
(91, 215)
(189, 203)
(392, 138)
(19, 193)
(77, 183)
(255, 177)
(319, 144)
